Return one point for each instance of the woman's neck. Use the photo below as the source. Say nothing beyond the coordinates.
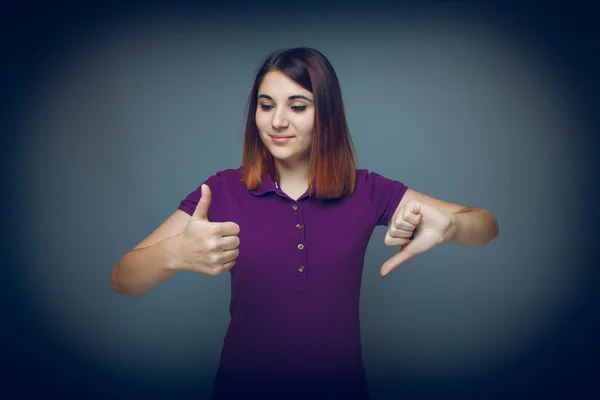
(293, 179)
(297, 173)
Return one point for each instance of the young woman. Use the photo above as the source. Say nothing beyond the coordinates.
(292, 226)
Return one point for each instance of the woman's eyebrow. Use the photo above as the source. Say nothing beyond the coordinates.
(299, 96)
(294, 97)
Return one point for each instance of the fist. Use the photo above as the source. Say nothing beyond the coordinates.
(417, 227)
(208, 247)
(402, 226)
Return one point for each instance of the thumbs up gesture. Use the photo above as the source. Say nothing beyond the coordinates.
(417, 227)
(208, 247)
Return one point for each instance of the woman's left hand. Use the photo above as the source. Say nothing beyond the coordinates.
(430, 227)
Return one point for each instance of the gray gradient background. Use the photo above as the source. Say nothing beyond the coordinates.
(124, 115)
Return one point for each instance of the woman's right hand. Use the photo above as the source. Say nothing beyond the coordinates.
(207, 247)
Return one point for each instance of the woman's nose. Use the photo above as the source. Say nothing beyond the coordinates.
(279, 119)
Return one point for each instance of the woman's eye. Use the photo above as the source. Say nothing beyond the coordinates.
(266, 107)
(298, 108)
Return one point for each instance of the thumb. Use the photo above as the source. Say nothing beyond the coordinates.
(395, 261)
(201, 211)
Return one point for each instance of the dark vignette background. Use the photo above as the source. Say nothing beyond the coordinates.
(561, 364)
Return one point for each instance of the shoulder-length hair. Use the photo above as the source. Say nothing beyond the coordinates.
(332, 156)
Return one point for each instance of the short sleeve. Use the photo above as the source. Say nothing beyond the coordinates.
(385, 195)
(189, 203)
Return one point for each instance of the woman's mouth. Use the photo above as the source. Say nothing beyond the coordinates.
(281, 139)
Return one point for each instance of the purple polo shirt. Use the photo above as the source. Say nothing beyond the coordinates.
(294, 330)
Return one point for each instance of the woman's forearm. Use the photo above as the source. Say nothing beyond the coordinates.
(140, 270)
(472, 227)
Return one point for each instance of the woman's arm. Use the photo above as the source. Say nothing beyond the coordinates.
(422, 222)
(472, 227)
(468, 226)
(152, 261)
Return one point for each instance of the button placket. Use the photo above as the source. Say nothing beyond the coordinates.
(300, 266)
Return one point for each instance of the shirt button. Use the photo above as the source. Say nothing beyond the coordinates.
(295, 207)
(301, 268)
(300, 246)
(299, 226)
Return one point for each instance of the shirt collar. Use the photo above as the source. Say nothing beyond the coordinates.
(267, 185)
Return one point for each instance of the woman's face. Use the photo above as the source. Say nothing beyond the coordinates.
(285, 116)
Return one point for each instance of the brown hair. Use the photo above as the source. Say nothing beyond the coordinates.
(333, 157)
